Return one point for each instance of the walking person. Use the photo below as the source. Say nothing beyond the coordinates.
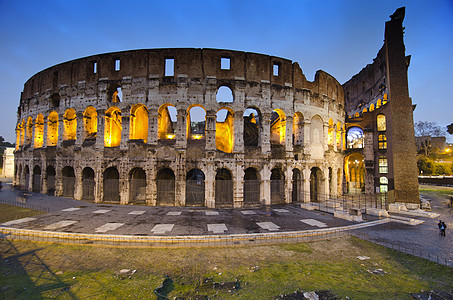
(440, 225)
(443, 226)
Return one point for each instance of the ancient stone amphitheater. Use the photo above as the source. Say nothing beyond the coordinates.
(183, 127)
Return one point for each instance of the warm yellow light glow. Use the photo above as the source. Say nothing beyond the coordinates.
(447, 150)
(165, 125)
(22, 132)
(29, 131)
(70, 125)
(90, 120)
(172, 136)
(52, 129)
(278, 128)
(224, 134)
(113, 127)
(139, 123)
(39, 131)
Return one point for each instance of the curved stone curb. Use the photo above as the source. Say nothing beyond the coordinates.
(182, 241)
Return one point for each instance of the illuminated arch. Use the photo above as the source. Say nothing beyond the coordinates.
(355, 173)
(70, 125)
(372, 107)
(278, 127)
(139, 123)
(298, 129)
(113, 127)
(90, 122)
(29, 131)
(39, 131)
(381, 122)
(52, 129)
(252, 125)
(166, 122)
(224, 130)
(355, 138)
(22, 133)
(224, 94)
(196, 122)
(330, 133)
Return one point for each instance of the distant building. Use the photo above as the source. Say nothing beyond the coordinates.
(8, 163)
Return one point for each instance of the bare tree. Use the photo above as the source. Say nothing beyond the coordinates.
(425, 128)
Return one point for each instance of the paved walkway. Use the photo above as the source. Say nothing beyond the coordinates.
(73, 216)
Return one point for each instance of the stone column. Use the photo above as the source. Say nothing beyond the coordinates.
(60, 131)
(209, 185)
(307, 137)
(325, 143)
(334, 138)
(125, 124)
(181, 128)
(289, 134)
(288, 184)
(210, 130)
(180, 180)
(153, 126)
(100, 129)
(238, 182)
(266, 179)
(238, 129)
(266, 133)
(78, 189)
(98, 184)
(306, 184)
(80, 129)
(44, 133)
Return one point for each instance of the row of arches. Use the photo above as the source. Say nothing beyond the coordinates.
(224, 122)
(139, 185)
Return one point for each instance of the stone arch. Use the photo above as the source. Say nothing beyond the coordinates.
(277, 186)
(36, 179)
(70, 125)
(330, 133)
(52, 129)
(26, 184)
(137, 186)
(338, 137)
(55, 100)
(354, 138)
(339, 182)
(223, 188)
(251, 187)
(167, 122)
(195, 188)
(22, 133)
(381, 123)
(29, 131)
(114, 93)
(113, 127)
(111, 186)
(50, 176)
(90, 122)
(224, 130)
(196, 122)
(355, 173)
(139, 123)
(296, 195)
(316, 189)
(298, 129)
(39, 131)
(68, 181)
(252, 127)
(224, 94)
(278, 127)
(88, 184)
(166, 187)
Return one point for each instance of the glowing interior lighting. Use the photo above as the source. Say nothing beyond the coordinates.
(170, 136)
(197, 136)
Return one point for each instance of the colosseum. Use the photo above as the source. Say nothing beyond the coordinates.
(216, 128)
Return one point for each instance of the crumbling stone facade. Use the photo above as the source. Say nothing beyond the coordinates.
(190, 127)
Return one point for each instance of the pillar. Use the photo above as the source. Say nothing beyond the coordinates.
(266, 134)
(100, 130)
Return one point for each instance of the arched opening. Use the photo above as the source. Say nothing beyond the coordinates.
(223, 188)
(252, 124)
(355, 173)
(297, 191)
(317, 137)
(166, 187)
(167, 122)
(315, 184)
(382, 142)
(26, 183)
(339, 184)
(39, 131)
(381, 122)
(278, 127)
(137, 186)
(139, 123)
(195, 188)
(90, 122)
(111, 186)
(88, 184)
(298, 129)
(68, 180)
(251, 187)
(331, 190)
(355, 138)
(224, 132)
(330, 133)
(113, 127)
(52, 129)
(224, 95)
(29, 131)
(115, 94)
(37, 179)
(50, 173)
(338, 137)
(70, 125)
(196, 123)
(22, 133)
(18, 130)
(277, 186)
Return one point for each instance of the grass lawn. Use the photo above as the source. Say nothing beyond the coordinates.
(11, 212)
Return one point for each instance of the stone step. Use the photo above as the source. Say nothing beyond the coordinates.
(405, 220)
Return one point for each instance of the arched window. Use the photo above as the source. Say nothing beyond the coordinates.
(382, 142)
(224, 134)
(371, 107)
(298, 129)
(139, 123)
(381, 123)
(251, 187)
(90, 121)
(196, 123)
(39, 131)
(52, 129)
(166, 187)
(68, 180)
(223, 188)
(355, 138)
(252, 124)
(277, 186)
(195, 188)
(88, 184)
(330, 134)
(22, 133)
(111, 185)
(113, 127)
(383, 185)
(29, 131)
(137, 188)
(167, 122)
(36, 179)
(278, 127)
(70, 125)
(383, 167)
(224, 95)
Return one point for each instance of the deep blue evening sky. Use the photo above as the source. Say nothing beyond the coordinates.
(339, 37)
